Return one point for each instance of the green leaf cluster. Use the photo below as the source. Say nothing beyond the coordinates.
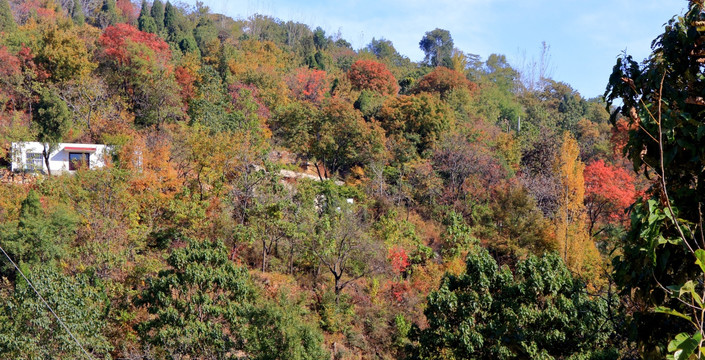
(539, 311)
(204, 306)
(29, 331)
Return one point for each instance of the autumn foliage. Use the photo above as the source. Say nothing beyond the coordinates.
(308, 85)
(128, 10)
(399, 259)
(342, 186)
(442, 81)
(620, 135)
(609, 191)
(9, 64)
(10, 77)
(574, 241)
(374, 76)
(118, 40)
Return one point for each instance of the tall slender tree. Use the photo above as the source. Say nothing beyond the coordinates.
(438, 47)
(574, 243)
(157, 13)
(170, 17)
(146, 22)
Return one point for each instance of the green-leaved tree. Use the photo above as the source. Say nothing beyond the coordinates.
(657, 266)
(28, 330)
(145, 21)
(438, 47)
(52, 120)
(541, 311)
(204, 306)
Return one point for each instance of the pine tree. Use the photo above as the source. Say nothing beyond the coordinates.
(146, 22)
(7, 21)
(157, 13)
(77, 13)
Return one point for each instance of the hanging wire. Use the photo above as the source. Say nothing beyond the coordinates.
(46, 304)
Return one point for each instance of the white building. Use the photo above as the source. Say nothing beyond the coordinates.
(66, 157)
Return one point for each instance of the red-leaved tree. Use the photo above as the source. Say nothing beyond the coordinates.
(129, 10)
(139, 65)
(10, 79)
(117, 41)
(399, 259)
(609, 190)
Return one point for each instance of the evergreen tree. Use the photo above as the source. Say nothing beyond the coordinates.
(157, 13)
(108, 14)
(146, 22)
(179, 30)
(38, 238)
(7, 21)
(206, 35)
(170, 17)
(187, 43)
(319, 39)
(217, 315)
(77, 13)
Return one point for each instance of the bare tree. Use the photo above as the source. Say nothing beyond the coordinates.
(534, 73)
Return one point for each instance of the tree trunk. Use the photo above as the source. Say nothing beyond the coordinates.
(291, 260)
(45, 154)
(338, 287)
(264, 255)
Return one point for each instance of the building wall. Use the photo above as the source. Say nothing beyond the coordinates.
(58, 159)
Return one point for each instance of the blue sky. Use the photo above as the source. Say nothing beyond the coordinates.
(585, 37)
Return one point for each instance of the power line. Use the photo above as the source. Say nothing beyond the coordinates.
(46, 304)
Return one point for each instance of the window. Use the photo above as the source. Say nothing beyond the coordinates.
(79, 160)
(34, 162)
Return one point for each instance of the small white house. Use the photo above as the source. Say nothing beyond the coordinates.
(66, 157)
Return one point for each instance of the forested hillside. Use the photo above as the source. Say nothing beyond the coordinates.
(273, 193)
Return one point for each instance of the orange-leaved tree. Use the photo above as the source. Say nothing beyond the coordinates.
(308, 85)
(372, 75)
(442, 81)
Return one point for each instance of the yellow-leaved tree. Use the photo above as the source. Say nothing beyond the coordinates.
(574, 243)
